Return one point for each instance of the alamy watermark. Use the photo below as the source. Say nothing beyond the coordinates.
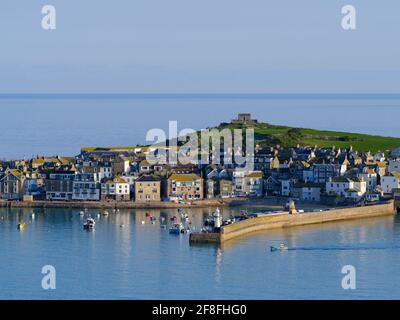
(349, 280)
(49, 18)
(349, 20)
(208, 146)
(49, 280)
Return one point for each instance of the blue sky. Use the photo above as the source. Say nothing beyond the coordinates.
(193, 46)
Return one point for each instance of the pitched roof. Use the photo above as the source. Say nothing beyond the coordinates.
(184, 177)
(254, 174)
(308, 185)
(148, 178)
(395, 174)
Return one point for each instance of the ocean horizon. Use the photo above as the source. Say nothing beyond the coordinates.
(61, 124)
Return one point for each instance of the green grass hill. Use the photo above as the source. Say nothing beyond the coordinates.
(272, 135)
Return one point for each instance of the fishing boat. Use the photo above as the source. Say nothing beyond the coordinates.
(89, 224)
(176, 228)
(21, 226)
(281, 247)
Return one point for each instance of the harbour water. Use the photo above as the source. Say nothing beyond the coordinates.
(126, 259)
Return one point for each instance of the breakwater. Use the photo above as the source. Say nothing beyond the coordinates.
(286, 220)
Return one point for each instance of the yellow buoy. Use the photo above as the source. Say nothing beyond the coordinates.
(21, 226)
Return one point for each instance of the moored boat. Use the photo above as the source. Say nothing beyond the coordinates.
(281, 247)
(89, 224)
(176, 228)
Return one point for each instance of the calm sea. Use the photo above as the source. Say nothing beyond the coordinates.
(61, 124)
(143, 261)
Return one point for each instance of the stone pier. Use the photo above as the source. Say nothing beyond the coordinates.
(286, 220)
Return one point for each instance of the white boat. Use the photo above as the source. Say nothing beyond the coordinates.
(81, 213)
(105, 213)
(89, 224)
(176, 228)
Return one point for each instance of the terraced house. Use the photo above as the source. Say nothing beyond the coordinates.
(59, 185)
(247, 183)
(147, 188)
(12, 185)
(185, 187)
(115, 189)
(86, 187)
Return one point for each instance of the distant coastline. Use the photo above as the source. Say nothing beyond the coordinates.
(260, 96)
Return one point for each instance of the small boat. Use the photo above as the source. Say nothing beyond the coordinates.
(21, 226)
(81, 213)
(176, 228)
(105, 213)
(89, 224)
(282, 247)
(148, 215)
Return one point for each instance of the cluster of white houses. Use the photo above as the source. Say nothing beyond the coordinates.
(123, 174)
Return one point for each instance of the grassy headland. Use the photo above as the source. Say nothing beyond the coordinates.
(270, 135)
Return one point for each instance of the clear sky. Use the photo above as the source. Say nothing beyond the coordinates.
(194, 46)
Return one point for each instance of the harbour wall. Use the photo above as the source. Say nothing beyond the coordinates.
(286, 220)
(122, 204)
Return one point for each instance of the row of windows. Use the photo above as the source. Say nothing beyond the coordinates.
(153, 191)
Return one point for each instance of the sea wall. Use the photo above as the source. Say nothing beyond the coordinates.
(286, 220)
(199, 237)
(121, 204)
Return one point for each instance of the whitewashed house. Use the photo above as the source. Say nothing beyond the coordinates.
(115, 189)
(370, 177)
(346, 187)
(394, 166)
(247, 183)
(86, 187)
(105, 171)
(390, 182)
(379, 156)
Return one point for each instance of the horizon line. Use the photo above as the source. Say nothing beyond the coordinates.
(15, 96)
